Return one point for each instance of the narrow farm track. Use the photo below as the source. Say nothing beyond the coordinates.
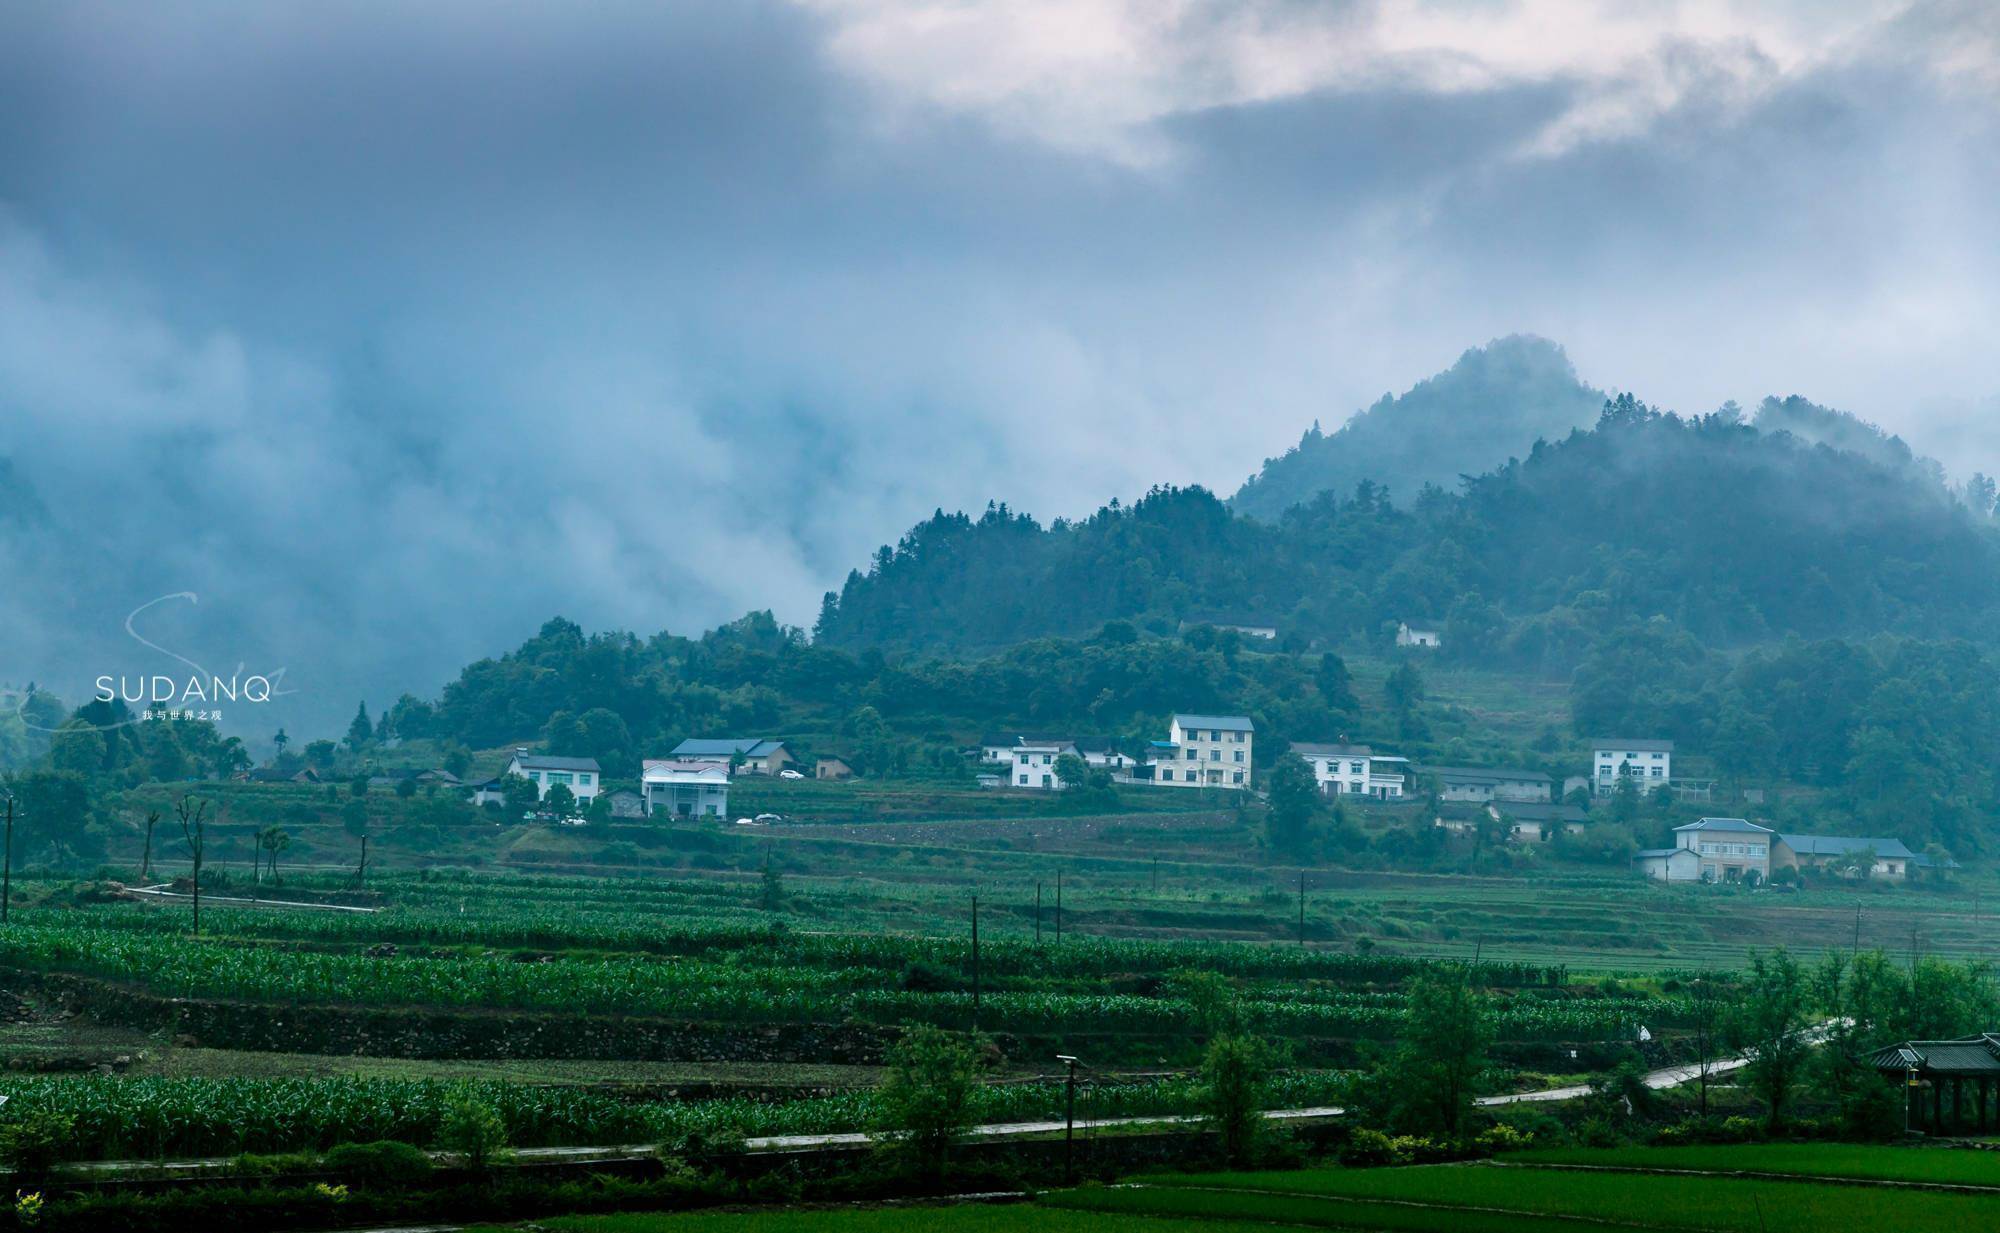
(1665, 1077)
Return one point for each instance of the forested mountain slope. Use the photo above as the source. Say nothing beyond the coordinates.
(1733, 534)
(1492, 405)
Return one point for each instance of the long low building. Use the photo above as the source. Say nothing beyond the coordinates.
(1738, 850)
(1480, 784)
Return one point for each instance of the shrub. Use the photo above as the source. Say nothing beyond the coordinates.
(33, 1142)
(1367, 1148)
(383, 1163)
(473, 1128)
(1502, 1138)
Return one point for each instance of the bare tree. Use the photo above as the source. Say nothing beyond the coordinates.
(1707, 1025)
(146, 862)
(193, 817)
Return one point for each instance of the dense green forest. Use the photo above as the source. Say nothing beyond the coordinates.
(1492, 405)
(1735, 534)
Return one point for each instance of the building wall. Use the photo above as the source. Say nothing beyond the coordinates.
(1724, 851)
(1206, 761)
(583, 785)
(1651, 769)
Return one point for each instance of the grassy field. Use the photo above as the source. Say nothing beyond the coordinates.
(961, 1218)
(1460, 1197)
(1943, 1166)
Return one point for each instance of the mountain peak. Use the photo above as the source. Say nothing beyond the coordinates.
(1493, 403)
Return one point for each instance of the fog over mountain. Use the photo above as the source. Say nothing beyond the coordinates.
(389, 339)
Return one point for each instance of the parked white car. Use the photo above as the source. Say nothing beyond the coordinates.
(790, 774)
(765, 819)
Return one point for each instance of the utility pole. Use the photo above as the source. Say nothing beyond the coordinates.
(7, 865)
(361, 870)
(975, 961)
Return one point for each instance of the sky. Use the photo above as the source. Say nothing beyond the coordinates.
(389, 331)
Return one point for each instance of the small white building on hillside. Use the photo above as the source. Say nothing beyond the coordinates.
(1649, 762)
(1205, 751)
(680, 788)
(1419, 633)
(1355, 770)
(545, 771)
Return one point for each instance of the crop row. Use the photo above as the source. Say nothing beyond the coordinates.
(556, 927)
(140, 1118)
(691, 989)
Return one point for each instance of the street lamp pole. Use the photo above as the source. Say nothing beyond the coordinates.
(1069, 1120)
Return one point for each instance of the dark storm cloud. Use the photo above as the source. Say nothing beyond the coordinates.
(392, 330)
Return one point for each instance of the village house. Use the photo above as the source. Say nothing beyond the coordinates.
(1035, 763)
(750, 755)
(1724, 850)
(1883, 857)
(1102, 751)
(488, 792)
(831, 766)
(580, 775)
(684, 788)
(268, 775)
(1205, 751)
(1735, 850)
(1650, 763)
(1538, 821)
(1481, 784)
(1354, 770)
(999, 747)
(1419, 634)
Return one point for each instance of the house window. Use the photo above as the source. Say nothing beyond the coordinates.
(1024, 779)
(1355, 768)
(1656, 772)
(534, 777)
(1215, 755)
(1237, 737)
(1215, 736)
(556, 777)
(1239, 755)
(1045, 781)
(1239, 777)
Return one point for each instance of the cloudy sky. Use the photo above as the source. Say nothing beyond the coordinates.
(391, 330)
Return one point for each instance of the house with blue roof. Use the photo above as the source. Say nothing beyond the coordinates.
(1738, 850)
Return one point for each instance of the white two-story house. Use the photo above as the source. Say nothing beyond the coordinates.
(580, 775)
(1355, 770)
(1034, 763)
(1651, 763)
(685, 788)
(1205, 751)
